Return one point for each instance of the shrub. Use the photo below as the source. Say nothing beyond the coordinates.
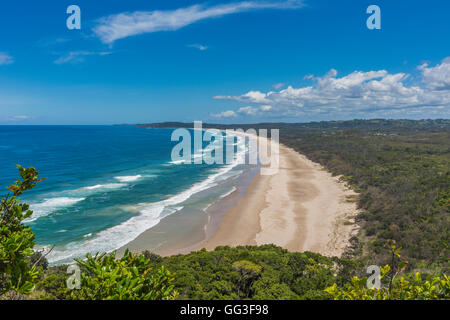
(127, 278)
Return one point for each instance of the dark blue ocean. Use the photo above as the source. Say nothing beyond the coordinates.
(105, 184)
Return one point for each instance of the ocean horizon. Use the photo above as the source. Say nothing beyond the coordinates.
(106, 185)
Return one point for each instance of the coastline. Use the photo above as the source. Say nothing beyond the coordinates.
(300, 208)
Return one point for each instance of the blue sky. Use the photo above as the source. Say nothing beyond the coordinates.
(223, 61)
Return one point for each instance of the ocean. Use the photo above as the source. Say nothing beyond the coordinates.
(106, 185)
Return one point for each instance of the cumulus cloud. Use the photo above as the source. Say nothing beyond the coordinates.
(437, 77)
(78, 56)
(243, 111)
(249, 110)
(358, 93)
(5, 59)
(225, 114)
(251, 96)
(122, 25)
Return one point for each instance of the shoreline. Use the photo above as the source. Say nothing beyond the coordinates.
(300, 208)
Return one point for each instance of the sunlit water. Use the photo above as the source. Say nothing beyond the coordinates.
(105, 184)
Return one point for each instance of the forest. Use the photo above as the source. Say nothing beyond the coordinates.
(400, 168)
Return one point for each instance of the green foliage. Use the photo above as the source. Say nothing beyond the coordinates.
(248, 272)
(444, 199)
(52, 285)
(105, 277)
(129, 278)
(401, 170)
(17, 276)
(437, 288)
(154, 258)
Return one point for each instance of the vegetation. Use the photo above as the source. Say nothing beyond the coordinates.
(17, 275)
(248, 272)
(436, 288)
(103, 278)
(401, 170)
(254, 272)
(127, 278)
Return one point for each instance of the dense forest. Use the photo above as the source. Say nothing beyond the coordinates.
(400, 169)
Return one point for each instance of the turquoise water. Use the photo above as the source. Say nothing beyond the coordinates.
(105, 184)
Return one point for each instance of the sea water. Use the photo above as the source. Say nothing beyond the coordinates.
(105, 184)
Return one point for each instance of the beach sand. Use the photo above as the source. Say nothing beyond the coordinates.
(300, 208)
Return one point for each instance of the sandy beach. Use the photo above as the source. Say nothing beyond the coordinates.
(301, 208)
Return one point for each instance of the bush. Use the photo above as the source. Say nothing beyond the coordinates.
(127, 278)
(17, 275)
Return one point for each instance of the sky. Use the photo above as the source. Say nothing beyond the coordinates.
(239, 61)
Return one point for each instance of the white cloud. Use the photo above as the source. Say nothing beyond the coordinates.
(437, 77)
(249, 110)
(359, 93)
(225, 114)
(52, 42)
(251, 96)
(5, 59)
(15, 118)
(18, 118)
(198, 46)
(78, 56)
(265, 108)
(122, 25)
(279, 85)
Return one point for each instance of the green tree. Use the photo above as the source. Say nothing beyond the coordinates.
(127, 278)
(17, 276)
(249, 272)
(437, 288)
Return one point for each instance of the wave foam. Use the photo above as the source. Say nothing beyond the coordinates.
(49, 205)
(233, 189)
(128, 178)
(105, 186)
(149, 216)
